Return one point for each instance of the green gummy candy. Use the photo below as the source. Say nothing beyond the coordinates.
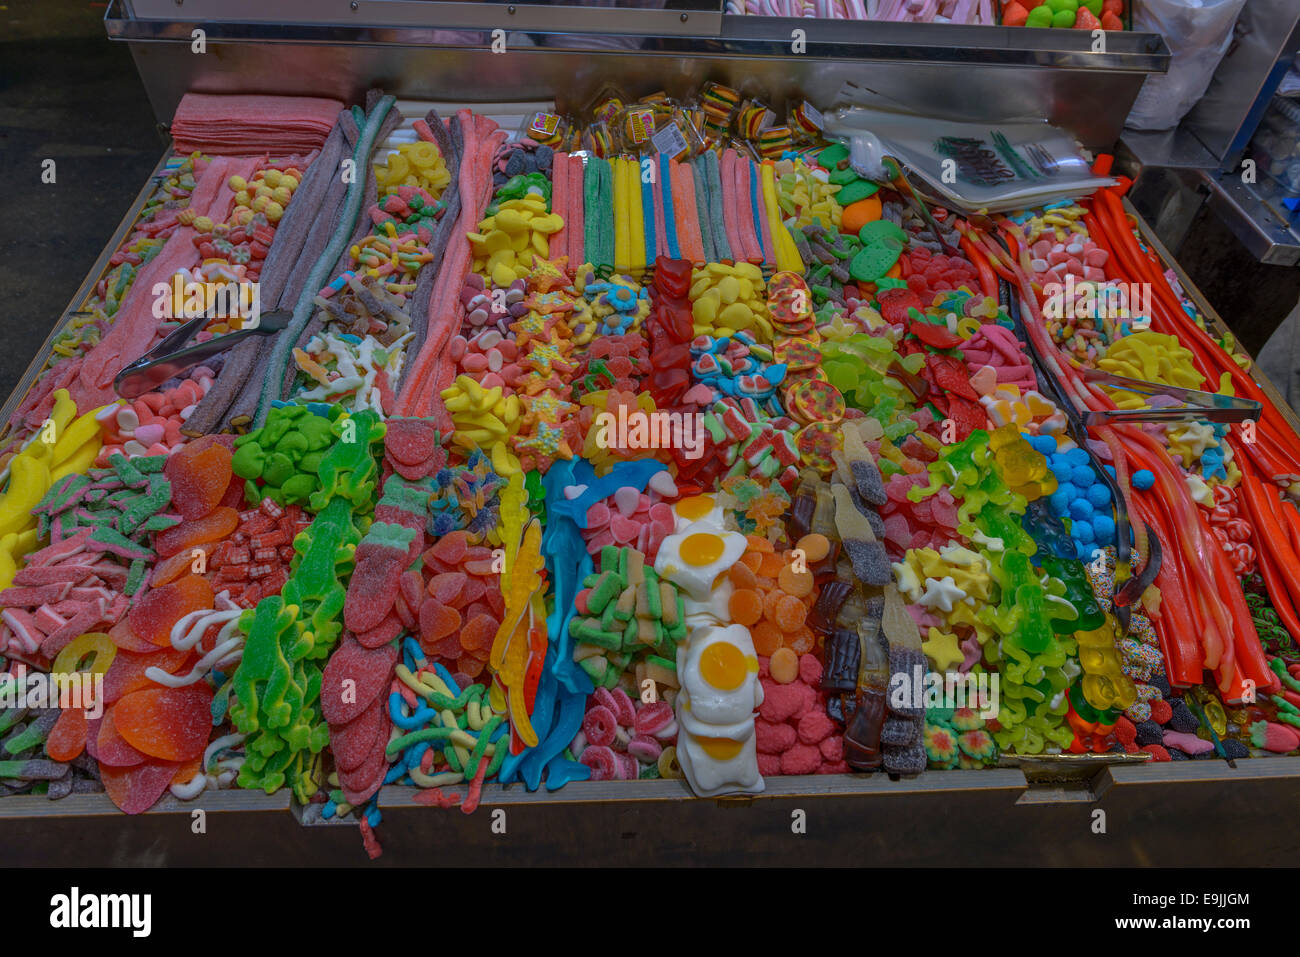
(856, 190)
(881, 229)
(842, 177)
(316, 431)
(310, 462)
(1064, 19)
(297, 489)
(1094, 6)
(832, 155)
(873, 262)
(294, 444)
(278, 469)
(1039, 17)
(1057, 6)
(248, 460)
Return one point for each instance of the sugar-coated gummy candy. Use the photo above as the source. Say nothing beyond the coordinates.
(111, 749)
(599, 726)
(772, 738)
(136, 789)
(151, 618)
(172, 724)
(783, 666)
(199, 477)
(602, 760)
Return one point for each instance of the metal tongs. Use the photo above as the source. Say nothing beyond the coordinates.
(1196, 406)
(171, 357)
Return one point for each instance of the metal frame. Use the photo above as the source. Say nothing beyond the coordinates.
(997, 73)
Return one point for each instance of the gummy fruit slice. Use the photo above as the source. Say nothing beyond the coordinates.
(152, 617)
(137, 789)
(168, 723)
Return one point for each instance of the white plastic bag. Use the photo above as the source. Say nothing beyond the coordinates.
(1198, 33)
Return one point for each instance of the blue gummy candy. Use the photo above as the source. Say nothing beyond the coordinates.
(1043, 444)
(1143, 480)
(1080, 508)
(1059, 501)
(1082, 531)
(1110, 470)
(1083, 476)
(1099, 495)
(1103, 528)
(1076, 456)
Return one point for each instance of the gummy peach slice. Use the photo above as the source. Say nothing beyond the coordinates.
(68, 736)
(137, 789)
(168, 723)
(210, 528)
(152, 617)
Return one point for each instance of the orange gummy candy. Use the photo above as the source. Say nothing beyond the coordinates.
(170, 569)
(756, 543)
(767, 637)
(152, 617)
(770, 565)
(168, 723)
(784, 666)
(68, 736)
(794, 582)
(210, 528)
(815, 547)
(790, 613)
(770, 598)
(801, 641)
(199, 476)
(127, 672)
(742, 576)
(746, 607)
(470, 666)
(752, 560)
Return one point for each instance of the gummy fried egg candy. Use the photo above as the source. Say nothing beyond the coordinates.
(718, 669)
(697, 508)
(694, 558)
(718, 760)
(716, 610)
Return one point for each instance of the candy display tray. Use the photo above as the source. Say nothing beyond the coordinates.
(1029, 811)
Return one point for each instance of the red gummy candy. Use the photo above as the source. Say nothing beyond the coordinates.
(600, 726)
(210, 528)
(951, 375)
(832, 748)
(135, 790)
(168, 723)
(895, 303)
(967, 415)
(446, 587)
(772, 738)
(602, 761)
(451, 547)
(373, 586)
(152, 617)
(410, 441)
(355, 741)
(815, 726)
(170, 569)
(437, 621)
(199, 476)
(67, 738)
(935, 336)
(801, 759)
(369, 670)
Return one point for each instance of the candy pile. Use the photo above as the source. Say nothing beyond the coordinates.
(656, 443)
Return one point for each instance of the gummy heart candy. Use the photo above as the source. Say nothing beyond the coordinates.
(152, 617)
(168, 723)
(199, 479)
(137, 789)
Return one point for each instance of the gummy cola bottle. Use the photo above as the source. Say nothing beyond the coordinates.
(862, 730)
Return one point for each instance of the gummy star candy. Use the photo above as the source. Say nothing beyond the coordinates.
(943, 650)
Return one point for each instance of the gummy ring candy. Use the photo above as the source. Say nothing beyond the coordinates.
(814, 400)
